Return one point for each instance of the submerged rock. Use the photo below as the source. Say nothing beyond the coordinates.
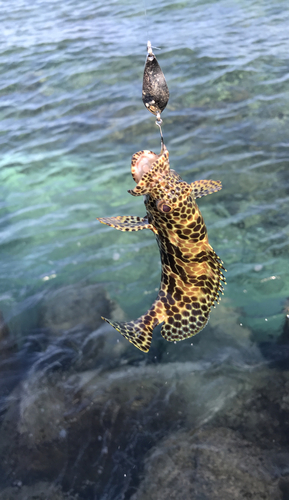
(97, 427)
(38, 491)
(4, 330)
(9, 364)
(241, 452)
(209, 464)
(78, 350)
(77, 306)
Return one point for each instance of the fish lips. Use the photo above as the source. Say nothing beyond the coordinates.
(142, 163)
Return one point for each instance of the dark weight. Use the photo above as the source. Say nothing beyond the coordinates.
(155, 92)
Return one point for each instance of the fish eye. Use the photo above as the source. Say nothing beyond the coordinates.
(163, 207)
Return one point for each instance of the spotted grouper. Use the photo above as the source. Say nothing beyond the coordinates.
(192, 277)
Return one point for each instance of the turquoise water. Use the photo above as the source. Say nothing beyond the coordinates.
(72, 116)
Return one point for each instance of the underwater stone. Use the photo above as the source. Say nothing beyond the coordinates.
(37, 491)
(58, 421)
(210, 464)
(50, 416)
(76, 305)
(4, 330)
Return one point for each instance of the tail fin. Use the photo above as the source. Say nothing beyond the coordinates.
(138, 332)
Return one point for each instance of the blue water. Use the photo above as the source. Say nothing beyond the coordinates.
(72, 116)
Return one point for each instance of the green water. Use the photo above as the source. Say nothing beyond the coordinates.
(72, 116)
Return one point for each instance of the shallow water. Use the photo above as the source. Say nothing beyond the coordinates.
(72, 116)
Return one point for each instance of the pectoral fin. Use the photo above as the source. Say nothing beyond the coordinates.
(204, 187)
(127, 223)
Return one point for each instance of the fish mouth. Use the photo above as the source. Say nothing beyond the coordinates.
(141, 163)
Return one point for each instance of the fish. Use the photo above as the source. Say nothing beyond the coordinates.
(192, 273)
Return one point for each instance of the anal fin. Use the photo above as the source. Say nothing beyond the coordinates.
(204, 187)
(127, 222)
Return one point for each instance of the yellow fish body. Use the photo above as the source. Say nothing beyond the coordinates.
(191, 270)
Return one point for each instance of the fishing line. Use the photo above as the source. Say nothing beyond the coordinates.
(146, 24)
(146, 19)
